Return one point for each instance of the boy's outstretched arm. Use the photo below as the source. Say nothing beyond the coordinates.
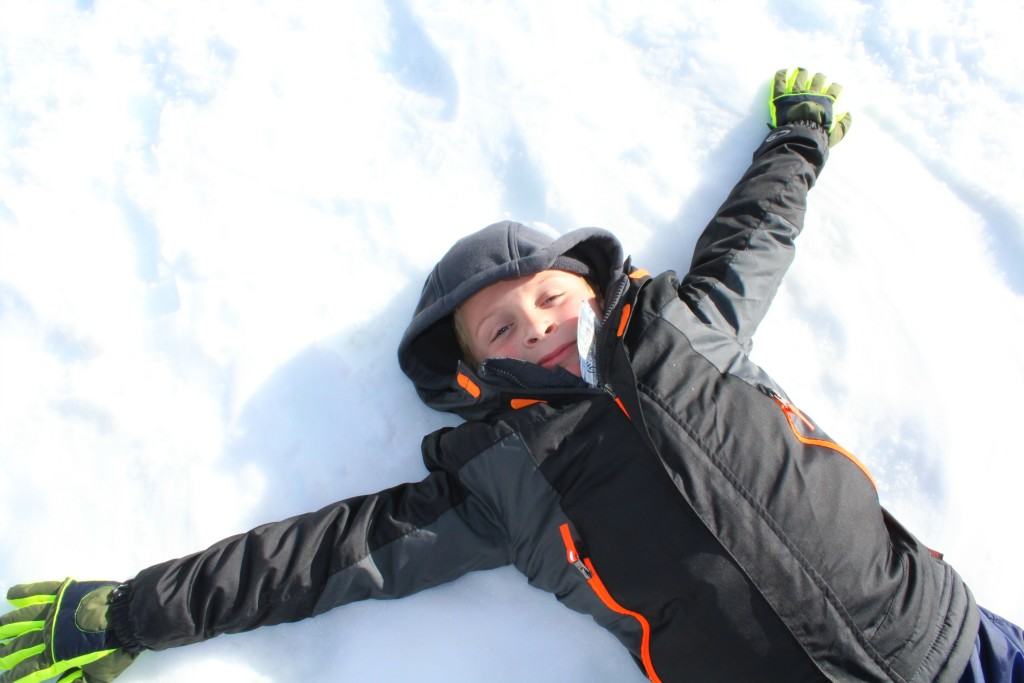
(384, 545)
(744, 251)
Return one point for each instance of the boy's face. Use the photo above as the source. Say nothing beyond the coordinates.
(531, 318)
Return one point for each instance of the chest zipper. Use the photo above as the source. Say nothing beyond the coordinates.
(793, 414)
(586, 568)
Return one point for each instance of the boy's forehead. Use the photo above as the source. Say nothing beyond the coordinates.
(497, 292)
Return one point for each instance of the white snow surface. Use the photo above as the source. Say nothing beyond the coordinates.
(215, 219)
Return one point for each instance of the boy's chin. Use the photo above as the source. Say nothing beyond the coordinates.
(572, 365)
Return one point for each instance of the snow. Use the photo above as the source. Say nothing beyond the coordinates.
(215, 220)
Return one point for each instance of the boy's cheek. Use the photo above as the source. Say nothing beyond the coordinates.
(501, 351)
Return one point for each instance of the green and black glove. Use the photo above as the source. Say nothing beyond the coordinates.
(797, 97)
(60, 628)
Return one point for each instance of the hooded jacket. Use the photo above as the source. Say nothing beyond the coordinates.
(683, 502)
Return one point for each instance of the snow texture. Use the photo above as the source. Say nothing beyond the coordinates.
(215, 219)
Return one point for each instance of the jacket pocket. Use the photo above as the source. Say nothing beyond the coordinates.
(801, 427)
(587, 570)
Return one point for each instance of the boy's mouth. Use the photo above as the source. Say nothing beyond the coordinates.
(556, 356)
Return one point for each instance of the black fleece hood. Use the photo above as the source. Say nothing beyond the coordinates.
(429, 352)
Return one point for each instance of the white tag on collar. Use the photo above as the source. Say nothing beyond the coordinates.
(585, 332)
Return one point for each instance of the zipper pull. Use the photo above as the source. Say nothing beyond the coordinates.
(617, 400)
(770, 393)
(788, 408)
(571, 555)
(575, 560)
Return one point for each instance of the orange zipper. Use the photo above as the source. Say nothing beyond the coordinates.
(586, 568)
(793, 413)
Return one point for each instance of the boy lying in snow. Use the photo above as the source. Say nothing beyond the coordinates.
(620, 449)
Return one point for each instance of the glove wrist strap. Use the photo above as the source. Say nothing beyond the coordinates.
(121, 624)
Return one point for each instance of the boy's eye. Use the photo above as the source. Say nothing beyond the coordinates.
(553, 298)
(499, 332)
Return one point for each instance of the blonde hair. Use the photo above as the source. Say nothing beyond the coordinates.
(462, 337)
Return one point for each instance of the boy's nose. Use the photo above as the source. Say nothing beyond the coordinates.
(539, 328)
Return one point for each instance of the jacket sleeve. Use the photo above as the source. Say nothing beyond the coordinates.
(744, 251)
(385, 545)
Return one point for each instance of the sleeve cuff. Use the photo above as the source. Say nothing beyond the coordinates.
(808, 134)
(120, 623)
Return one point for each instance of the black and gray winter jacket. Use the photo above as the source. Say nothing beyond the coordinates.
(683, 502)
